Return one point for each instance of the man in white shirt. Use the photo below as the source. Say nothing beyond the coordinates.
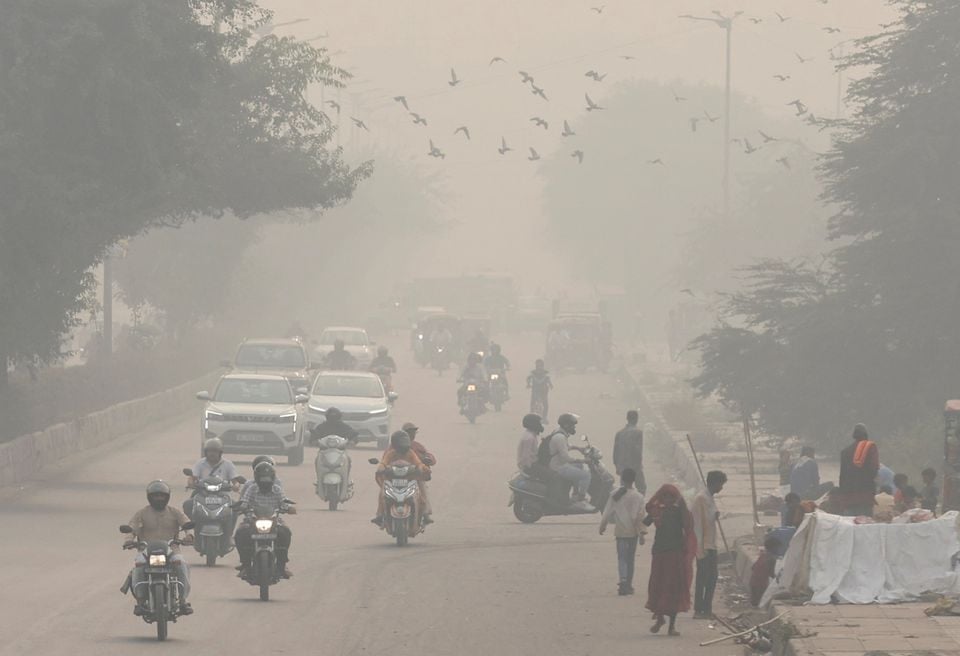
(625, 509)
(705, 517)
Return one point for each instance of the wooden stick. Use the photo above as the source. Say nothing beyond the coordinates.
(753, 478)
(743, 633)
(703, 480)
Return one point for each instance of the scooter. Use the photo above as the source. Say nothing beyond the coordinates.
(164, 590)
(264, 570)
(472, 404)
(402, 514)
(333, 471)
(386, 377)
(540, 493)
(440, 359)
(213, 516)
(498, 390)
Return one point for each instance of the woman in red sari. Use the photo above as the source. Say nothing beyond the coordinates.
(674, 548)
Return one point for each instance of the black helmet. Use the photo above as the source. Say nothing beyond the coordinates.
(259, 459)
(400, 441)
(533, 423)
(568, 422)
(333, 414)
(264, 470)
(158, 494)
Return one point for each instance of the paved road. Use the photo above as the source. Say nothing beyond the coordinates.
(477, 582)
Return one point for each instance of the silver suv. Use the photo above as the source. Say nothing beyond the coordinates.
(255, 414)
(278, 356)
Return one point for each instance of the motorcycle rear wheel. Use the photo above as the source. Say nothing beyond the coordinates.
(526, 512)
(160, 599)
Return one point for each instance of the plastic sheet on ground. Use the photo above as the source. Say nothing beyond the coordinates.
(830, 556)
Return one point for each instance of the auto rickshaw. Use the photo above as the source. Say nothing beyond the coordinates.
(578, 341)
(431, 324)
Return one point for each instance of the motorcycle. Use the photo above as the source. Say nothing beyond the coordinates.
(386, 377)
(213, 516)
(333, 471)
(533, 495)
(264, 570)
(440, 359)
(498, 390)
(164, 590)
(538, 404)
(402, 514)
(472, 404)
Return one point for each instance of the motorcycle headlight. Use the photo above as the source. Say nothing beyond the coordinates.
(213, 488)
(419, 336)
(471, 388)
(494, 376)
(263, 525)
(158, 560)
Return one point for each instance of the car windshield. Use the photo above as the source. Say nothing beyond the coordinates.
(237, 390)
(349, 337)
(348, 386)
(270, 355)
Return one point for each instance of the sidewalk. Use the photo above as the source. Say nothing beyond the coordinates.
(877, 630)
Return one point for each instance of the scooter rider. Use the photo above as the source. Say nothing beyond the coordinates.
(527, 449)
(333, 425)
(212, 464)
(400, 449)
(340, 359)
(159, 521)
(497, 362)
(383, 360)
(426, 458)
(476, 373)
(554, 451)
(265, 494)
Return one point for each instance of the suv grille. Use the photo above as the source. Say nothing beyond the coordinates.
(255, 419)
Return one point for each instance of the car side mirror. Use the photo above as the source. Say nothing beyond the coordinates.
(373, 461)
(392, 397)
(187, 526)
(226, 364)
(301, 398)
(203, 396)
(187, 471)
(126, 529)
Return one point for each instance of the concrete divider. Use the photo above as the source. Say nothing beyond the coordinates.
(26, 455)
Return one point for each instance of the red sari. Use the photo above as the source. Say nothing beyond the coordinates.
(674, 549)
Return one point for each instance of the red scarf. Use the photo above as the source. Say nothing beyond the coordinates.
(861, 452)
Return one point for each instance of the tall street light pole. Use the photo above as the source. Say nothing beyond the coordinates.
(725, 23)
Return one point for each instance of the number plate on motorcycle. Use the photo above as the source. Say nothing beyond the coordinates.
(156, 570)
(214, 501)
(264, 536)
(399, 481)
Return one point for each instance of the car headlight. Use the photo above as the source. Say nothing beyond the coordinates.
(263, 525)
(379, 413)
(158, 560)
(287, 418)
(317, 408)
(212, 414)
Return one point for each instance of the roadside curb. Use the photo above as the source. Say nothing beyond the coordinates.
(26, 455)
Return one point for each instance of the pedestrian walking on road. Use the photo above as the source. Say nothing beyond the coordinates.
(674, 548)
(625, 509)
(859, 465)
(705, 518)
(628, 450)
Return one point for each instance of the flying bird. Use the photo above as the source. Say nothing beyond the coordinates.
(754, 20)
(537, 91)
(567, 131)
(418, 120)
(334, 104)
(436, 152)
(748, 147)
(693, 123)
(766, 137)
(403, 101)
(541, 123)
(496, 60)
(739, 142)
(526, 77)
(504, 148)
(465, 130)
(677, 98)
(360, 124)
(534, 155)
(579, 155)
(785, 162)
(782, 78)
(591, 106)
(656, 161)
(628, 57)
(712, 119)
(801, 58)
(689, 292)
(801, 108)
(454, 80)
(599, 9)
(783, 19)
(598, 77)
(831, 30)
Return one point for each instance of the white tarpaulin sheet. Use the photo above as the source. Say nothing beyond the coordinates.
(868, 563)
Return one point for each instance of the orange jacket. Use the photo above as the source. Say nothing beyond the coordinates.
(391, 456)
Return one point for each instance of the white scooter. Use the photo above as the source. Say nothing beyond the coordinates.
(333, 471)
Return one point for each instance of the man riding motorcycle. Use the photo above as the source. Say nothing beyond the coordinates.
(496, 362)
(264, 494)
(158, 521)
(426, 458)
(340, 359)
(539, 384)
(334, 425)
(554, 452)
(383, 360)
(475, 373)
(212, 464)
(252, 483)
(400, 449)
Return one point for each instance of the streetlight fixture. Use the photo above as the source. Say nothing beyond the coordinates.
(726, 23)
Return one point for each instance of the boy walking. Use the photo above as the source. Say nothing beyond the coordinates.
(705, 516)
(625, 509)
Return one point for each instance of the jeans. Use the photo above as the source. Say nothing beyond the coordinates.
(138, 576)
(245, 548)
(706, 582)
(626, 557)
(578, 477)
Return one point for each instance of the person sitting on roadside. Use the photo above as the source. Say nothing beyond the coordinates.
(763, 570)
(929, 492)
(805, 475)
(910, 499)
(900, 481)
(792, 513)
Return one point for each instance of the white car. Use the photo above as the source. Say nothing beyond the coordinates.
(355, 341)
(360, 396)
(255, 414)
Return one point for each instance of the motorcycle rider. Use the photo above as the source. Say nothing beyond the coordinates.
(476, 373)
(554, 452)
(527, 449)
(539, 384)
(426, 458)
(265, 494)
(334, 425)
(158, 521)
(400, 449)
(340, 359)
(496, 362)
(251, 483)
(212, 464)
(383, 360)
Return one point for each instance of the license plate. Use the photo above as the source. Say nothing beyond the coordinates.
(263, 536)
(399, 481)
(155, 570)
(214, 501)
(248, 437)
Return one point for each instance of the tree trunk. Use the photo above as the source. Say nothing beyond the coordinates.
(4, 378)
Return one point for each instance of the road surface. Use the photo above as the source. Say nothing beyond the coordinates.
(478, 582)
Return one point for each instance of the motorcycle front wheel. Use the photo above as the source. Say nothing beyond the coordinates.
(400, 533)
(160, 610)
(264, 574)
(211, 558)
(333, 497)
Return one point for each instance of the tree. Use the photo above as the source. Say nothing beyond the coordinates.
(117, 116)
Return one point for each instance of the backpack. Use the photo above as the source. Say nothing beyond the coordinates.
(543, 451)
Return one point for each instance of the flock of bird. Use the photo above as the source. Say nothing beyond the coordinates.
(590, 105)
